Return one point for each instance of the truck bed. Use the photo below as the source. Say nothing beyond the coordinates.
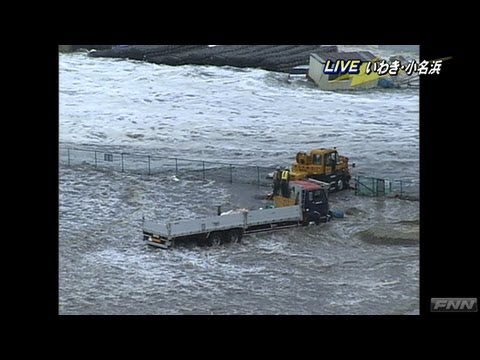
(245, 221)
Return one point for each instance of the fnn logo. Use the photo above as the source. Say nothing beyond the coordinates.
(453, 305)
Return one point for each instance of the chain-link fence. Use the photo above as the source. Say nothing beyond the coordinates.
(206, 170)
(370, 186)
(168, 166)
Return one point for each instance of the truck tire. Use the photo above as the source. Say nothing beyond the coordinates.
(215, 239)
(339, 185)
(235, 236)
(315, 218)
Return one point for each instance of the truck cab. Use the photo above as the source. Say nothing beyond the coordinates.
(312, 196)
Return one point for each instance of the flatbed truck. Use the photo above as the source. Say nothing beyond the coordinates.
(305, 202)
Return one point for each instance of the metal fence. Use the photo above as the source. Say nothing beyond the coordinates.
(168, 166)
(207, 170)
(370, 186)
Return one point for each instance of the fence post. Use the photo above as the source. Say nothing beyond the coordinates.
(95, 159)
(176, 166)
(203, 163)
(258, 176)
(231, 174)
(68, 152)
(122, 164)
(148, 164)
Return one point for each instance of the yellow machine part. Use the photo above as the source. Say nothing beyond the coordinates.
(304, 165)
(281, 201)
(299, 172)
(298, 175)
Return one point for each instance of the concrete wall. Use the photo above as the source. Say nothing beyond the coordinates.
(281, 58)
(64, 48)
(70, 48)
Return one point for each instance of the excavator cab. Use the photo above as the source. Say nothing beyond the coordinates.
(324, 165)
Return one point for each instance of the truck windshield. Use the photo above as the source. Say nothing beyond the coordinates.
(316, 196)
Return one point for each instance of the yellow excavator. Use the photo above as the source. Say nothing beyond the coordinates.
(324, 165)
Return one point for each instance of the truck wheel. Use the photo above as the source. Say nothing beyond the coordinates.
(235, 236)
(339, 185)
(214, 239)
